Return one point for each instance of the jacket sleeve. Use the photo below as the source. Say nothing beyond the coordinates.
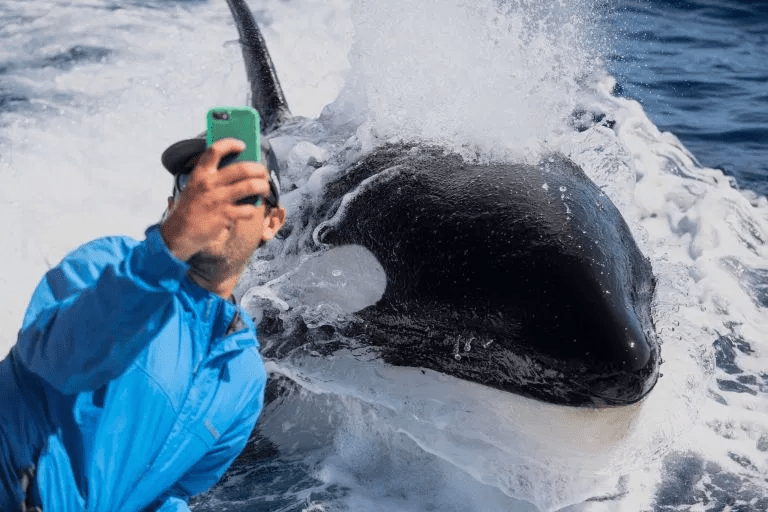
(97, 310)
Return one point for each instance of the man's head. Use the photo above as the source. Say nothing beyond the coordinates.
(216, 211)
(180, 159)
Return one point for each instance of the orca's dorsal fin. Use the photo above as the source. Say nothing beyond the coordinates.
(266, 94)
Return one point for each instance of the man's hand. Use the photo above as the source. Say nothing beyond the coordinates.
(206, 208)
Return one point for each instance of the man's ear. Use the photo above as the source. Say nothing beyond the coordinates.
(274, 220)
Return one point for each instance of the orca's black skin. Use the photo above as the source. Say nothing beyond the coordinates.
(266, 94)
(524, 278)
(521, 277)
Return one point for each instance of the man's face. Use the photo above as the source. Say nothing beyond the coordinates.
(233, 249)
(228, 254)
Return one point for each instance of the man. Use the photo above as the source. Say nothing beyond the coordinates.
(135, 380)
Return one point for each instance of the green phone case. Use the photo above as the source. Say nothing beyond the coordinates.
(239, 123)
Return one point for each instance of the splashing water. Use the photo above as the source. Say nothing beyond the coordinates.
(495, 78)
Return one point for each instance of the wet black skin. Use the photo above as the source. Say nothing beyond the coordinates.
(524, 278)
(521, 277)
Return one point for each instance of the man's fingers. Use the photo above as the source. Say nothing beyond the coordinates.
(218, 150)
(246, 188)
(241, 171)
(243, 212)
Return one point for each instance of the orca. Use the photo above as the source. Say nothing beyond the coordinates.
(520, 277)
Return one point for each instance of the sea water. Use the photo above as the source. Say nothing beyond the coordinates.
(91, 92)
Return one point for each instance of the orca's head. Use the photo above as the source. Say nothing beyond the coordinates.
(524, 278)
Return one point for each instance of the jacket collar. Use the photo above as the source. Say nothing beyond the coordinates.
(238, 335)
(231, 328)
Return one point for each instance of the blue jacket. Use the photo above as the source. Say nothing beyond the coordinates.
(128, 387)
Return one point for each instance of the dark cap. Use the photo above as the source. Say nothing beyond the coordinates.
(178, 155)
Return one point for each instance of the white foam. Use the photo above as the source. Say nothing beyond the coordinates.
(469, 74)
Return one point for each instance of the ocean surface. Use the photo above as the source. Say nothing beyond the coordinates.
(665, 106)
(698, 68)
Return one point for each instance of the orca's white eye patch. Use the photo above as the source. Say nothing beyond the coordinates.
(348, 277)
(345, 279)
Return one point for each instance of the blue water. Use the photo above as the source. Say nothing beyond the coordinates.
(700, 70)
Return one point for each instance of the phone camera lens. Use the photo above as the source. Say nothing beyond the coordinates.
(222, 116)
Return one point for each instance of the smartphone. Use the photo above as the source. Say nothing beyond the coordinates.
(239, 123)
